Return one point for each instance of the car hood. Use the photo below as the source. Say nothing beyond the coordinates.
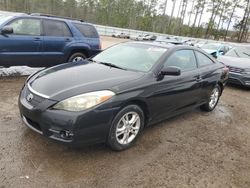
(209, 51)
(235, 61)
(72, 79)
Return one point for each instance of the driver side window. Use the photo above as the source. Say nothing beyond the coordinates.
(26, 26)
(183, 59)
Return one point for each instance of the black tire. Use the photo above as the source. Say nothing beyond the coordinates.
(75, 55)
(112, 140)
(207, 107)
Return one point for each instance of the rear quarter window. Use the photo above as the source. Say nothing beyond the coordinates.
(203, 60)
(88, 31)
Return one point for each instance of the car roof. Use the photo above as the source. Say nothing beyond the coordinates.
(16, 15)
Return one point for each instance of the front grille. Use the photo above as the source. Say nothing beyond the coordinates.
(235, 69)
(35, 100)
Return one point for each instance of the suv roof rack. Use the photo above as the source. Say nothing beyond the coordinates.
(54, 16)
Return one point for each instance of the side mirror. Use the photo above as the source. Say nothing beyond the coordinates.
(171, 71)
(7, 30)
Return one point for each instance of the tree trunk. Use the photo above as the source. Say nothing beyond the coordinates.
(191, 12)
(244, 24)
(178, 14)
(210, 20)
(195, 19)
(172, 13)
(230, 20)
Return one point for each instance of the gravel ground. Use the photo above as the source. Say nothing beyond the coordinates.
(195, 149)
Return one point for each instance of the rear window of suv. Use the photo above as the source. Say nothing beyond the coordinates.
(56, 29)
(88, 31)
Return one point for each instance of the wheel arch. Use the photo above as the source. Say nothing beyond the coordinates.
(142, 104)
(78, 50)
(221, 87)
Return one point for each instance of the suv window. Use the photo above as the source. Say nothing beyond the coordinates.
(203, 60)
(26, 26)
(56, 28)
(87, 30)
(183, 59)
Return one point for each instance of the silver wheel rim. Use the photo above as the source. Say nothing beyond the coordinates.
(78, 58)
(214, 98)
(128, 128)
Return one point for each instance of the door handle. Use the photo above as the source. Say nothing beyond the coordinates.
(67, 40)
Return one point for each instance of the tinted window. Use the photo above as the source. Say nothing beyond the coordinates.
(87, 30)
(56, 29)
(26, 27)
(203, 59)
(184, 59)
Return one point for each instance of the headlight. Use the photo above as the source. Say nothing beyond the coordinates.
(84, 101)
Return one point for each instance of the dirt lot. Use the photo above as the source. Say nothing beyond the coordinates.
(195, 149)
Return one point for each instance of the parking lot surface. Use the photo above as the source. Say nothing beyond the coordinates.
(196, 149)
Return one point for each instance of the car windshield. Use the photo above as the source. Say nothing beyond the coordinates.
(3, 18)
(211, 46)
(138, 57)
(241, 52)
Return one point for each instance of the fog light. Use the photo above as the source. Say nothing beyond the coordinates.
(66, 134)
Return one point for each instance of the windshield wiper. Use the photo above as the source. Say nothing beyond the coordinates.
(111, 65)
(246, 54)
(107, 64)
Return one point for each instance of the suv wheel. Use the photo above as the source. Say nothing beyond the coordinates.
(76, 57)
(126, 127)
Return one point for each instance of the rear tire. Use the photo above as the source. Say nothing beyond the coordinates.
(76, 57)
(213, 99)
(126, 128)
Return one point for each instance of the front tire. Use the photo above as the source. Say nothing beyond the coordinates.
(126, 127)
(213, 99)
(76, 57)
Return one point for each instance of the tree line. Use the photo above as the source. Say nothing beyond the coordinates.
(152, 15)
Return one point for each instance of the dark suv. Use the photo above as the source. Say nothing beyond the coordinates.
(40, 40)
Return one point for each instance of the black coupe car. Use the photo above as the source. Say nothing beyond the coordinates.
(113, 96)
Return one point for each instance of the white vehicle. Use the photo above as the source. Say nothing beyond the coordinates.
(121, 35)
(137, 37)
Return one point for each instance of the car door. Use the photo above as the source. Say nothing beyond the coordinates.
(209, 74)
(173, 94)
(56, 37)
(23, 46)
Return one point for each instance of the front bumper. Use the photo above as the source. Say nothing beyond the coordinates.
(239, 79)
(73, 128)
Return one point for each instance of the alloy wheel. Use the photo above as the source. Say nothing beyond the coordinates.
(128, 127)
(214, 98)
